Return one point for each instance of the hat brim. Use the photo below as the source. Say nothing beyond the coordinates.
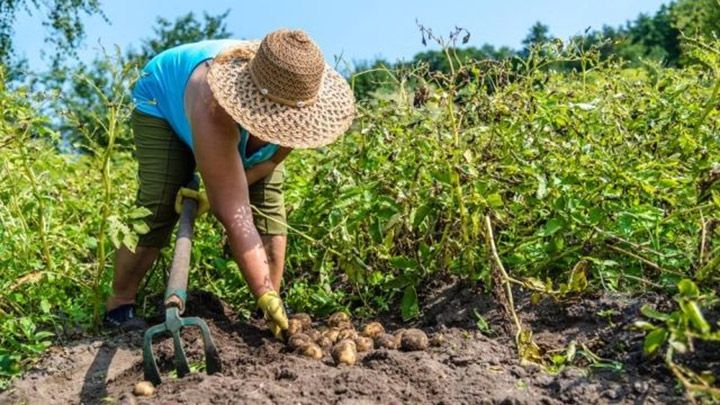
(310, 126)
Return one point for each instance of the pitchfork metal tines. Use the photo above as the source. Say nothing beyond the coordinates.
(175, 297)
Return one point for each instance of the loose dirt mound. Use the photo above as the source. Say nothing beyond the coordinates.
(468, 368)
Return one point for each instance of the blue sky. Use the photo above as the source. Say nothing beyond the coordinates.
(357, 30)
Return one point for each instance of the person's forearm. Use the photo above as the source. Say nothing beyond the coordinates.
(249, 252)
(259, 172)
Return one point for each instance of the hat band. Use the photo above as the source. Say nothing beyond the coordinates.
(279, 99)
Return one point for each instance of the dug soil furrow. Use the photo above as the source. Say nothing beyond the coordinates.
(469, 367)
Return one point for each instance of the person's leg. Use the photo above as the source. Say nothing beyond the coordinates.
(266, 196)
(275, 248)
(164, 165)
(130, 269)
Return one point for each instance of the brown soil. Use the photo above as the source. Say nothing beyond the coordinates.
(469, 368)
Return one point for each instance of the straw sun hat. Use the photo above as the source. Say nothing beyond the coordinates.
(282, 91)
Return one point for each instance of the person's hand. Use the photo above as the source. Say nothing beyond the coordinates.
(274, 310)
(201, 198)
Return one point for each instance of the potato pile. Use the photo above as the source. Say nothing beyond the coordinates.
(343, 342)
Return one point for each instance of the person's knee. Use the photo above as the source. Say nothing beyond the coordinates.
(160, 224)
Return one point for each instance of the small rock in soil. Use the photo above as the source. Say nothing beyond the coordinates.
(640, 387)
(286, 374)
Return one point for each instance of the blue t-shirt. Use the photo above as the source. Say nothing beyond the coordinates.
(160, 91)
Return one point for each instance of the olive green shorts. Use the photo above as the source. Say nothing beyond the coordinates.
(165, 164)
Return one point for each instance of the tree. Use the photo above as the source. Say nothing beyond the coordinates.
(653, 37)
(185, 29)
(63, 17)
(697, 17)
(539, 34)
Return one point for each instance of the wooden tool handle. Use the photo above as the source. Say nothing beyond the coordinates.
(176, 292)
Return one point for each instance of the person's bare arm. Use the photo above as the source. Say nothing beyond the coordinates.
(215, 139)
(262, 170)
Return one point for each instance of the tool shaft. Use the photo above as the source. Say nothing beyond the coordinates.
(177, 284)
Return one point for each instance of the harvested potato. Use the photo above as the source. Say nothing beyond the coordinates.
(373, 329)
(144, 389)
(385, 341)
(304, 319)
(345, 325)
(364, 344)
(344, 352)
(299, 340)
(332, 334)
(349, 334)
(337, 318)
(314, 335)
(398, 336)
(437, 340)
(324, 342)
(294, 327)
(414, 339)
(313, 351)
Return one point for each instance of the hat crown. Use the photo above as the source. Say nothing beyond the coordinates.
(288, 68)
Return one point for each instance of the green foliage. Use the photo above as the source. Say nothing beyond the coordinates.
(596, 172)
(697, 18)
(61, 217)
(675, 333)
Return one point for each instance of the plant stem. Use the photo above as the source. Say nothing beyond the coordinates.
(42, 225)
(104, 210)
(490, 240)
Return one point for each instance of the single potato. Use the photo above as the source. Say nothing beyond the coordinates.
(385, 341)
(414, 339)
(337, 318)
(299, 341)
(314, 335)
(313, 351)
(344, 352)
(345, 325)
(332, 334)
(373, 329)
(398, 336)
(144, 389)
(294, 327)
(364, 344)
(349, 334)
(304, 319)
(324, 342)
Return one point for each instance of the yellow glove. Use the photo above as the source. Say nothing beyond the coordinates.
(272, 306)
(201, 198)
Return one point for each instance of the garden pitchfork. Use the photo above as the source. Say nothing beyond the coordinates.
(175, 297)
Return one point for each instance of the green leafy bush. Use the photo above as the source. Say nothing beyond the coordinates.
(606, 166)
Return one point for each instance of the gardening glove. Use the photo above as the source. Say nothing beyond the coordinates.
(200, 197)
(274, 310)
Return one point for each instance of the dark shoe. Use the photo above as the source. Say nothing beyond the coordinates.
(123, 317)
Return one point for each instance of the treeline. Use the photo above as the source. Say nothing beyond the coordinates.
(658, 37)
